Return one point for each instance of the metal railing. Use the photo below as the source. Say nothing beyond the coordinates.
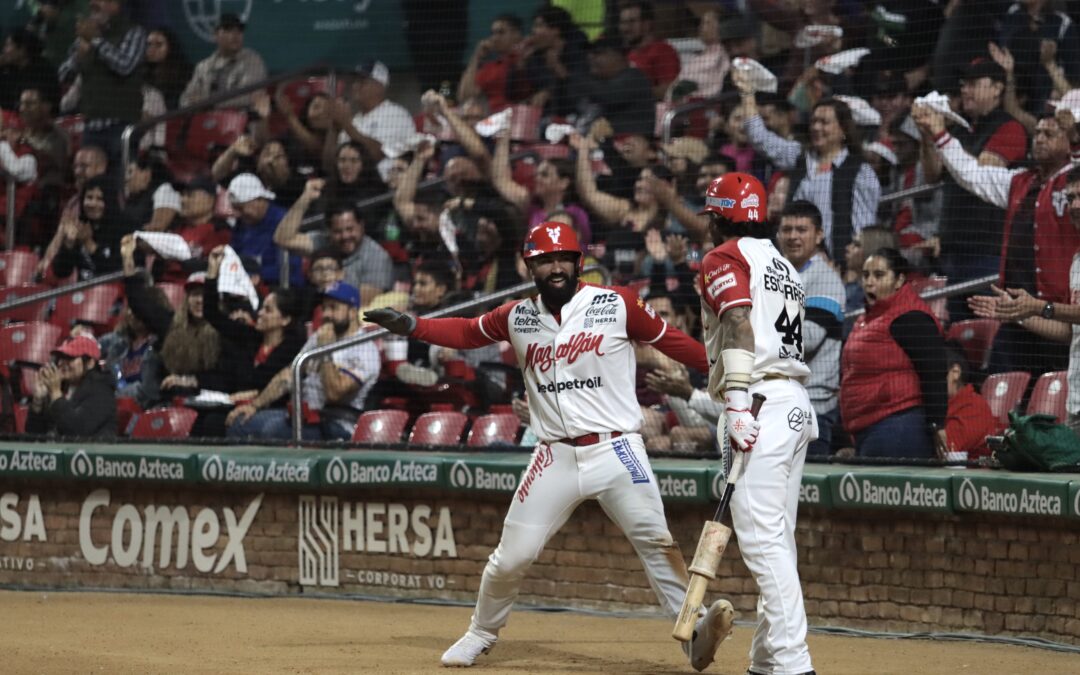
(64, 290)
(910, 192)
(9, 232)
(361, 338)
(971, 286)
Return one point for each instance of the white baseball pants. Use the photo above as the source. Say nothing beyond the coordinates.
(618, 475)
(763, 510)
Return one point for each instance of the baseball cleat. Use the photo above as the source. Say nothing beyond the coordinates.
(463, 653)
(709, 632)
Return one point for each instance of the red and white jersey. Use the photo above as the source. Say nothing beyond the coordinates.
(579, 366)
(751, 272)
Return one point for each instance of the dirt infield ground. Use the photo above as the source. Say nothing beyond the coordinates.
(128, 633)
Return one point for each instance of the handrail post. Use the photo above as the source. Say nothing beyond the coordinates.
(125, 149)
(10, 231)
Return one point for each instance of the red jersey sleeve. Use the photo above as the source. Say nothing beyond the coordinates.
(1010, 141)
(459, 333)
(725, 278)
(645, 326)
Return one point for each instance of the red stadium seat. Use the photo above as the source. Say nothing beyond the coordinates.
(31, 342)
(164, 423)
(1004, 391)
(31, 312)
(380, 426)
(213, 128)
(938, 306)
(976, 337)
(96, 305)
(438, 428)
(1049, 395)
(17, 267)
(174, 292)
(494, 429)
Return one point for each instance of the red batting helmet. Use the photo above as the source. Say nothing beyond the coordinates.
(550, 237)
(739, 197)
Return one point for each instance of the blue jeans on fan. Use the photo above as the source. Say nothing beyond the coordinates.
(275, 423)
(900, 435)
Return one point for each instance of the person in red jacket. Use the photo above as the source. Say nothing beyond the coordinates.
(969, 419)
(892, 368)
(574, 344)
(656, 58)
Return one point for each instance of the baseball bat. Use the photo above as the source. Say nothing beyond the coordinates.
(710, 548)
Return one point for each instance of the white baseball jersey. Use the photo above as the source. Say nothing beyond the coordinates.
(579, 365)
(751, 272)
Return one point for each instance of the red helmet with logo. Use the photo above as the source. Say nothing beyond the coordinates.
(550, 237)
(739, 197)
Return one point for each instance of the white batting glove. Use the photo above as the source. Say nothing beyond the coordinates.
(741, 425)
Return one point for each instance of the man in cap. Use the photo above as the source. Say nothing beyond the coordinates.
(231, 66)
(73, 396)
(334, 388)
(971, 229)
(579, 373)
(376, 122)
(620, 93)
(257, 219)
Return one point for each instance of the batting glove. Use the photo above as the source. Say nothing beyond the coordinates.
(741, 425)
(392, 320)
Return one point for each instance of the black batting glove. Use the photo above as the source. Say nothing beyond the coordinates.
(392, 320)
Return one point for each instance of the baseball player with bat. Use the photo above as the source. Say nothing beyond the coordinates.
(752, 311)
(574, 347)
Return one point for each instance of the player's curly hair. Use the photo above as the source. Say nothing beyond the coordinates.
(729, 228)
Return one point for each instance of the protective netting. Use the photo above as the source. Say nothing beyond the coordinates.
(907, 146)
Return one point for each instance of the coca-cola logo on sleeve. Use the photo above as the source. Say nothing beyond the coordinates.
(543, 357)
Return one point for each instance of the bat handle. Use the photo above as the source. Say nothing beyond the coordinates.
(755, 406)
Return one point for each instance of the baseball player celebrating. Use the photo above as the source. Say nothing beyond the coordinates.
(573, 344)
(752, 311)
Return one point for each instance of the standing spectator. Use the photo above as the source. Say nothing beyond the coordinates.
(334, 389)
(707, 70)
(553, 58)
(367, 265)
(1061, 322)
(490, 66)
(616, 91)
(376, 122)
(106, 56)
(893, 367)
(231, 66)
(74, 397)
(166, 68)
(655, 58)
(800, 238)
(90, 241)
(1038, 239)
(1038, 36)
(22, 67)
(971, 229)
(829, 173)
(257, 220)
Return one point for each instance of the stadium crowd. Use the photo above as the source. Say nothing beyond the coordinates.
(901, 154)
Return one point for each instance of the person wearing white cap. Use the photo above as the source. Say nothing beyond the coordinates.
(375, 120)
(231, 66)
(257, 220)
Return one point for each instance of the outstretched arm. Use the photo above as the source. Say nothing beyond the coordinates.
(455, 333)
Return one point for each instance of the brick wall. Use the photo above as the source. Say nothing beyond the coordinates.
(878, 570)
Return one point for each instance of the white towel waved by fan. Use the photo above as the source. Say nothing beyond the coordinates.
(761, 78)
(837, 63)
(940, 103)
(234, 280)
(166, 244)
(861, 112)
